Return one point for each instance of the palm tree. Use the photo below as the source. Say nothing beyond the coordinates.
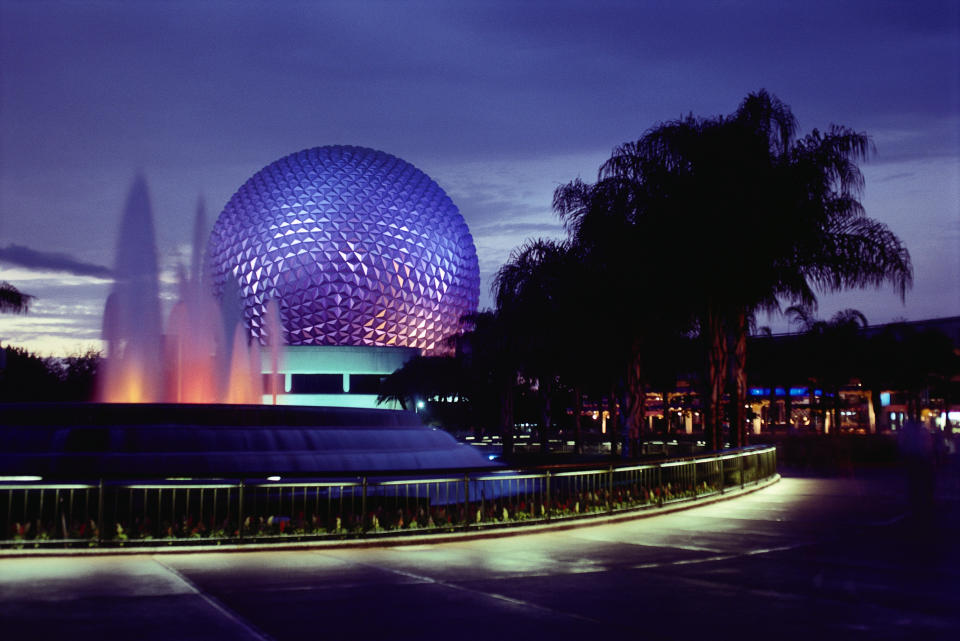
(628, 267)
(423, 378)
(595, 221)
(536, 297)
(704, 174)
(913, 363)
(12, 300)
(833, 351)
(764, 217)
(488, 350)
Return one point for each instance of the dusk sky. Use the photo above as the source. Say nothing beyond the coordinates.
(498, 102)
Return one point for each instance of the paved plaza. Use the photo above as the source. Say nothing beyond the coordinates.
(807, 558)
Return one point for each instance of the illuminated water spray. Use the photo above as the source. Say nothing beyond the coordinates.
(131, 322)
(193, 362)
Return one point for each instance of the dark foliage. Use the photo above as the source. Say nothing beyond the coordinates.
(27, 377)
(12, 300)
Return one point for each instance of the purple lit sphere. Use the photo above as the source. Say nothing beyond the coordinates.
(358, 247)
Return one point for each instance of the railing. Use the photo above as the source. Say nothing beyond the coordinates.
(113, 513)
(591, 444)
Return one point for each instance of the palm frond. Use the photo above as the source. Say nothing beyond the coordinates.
(765, 114)
(12, 300)
(861, 252)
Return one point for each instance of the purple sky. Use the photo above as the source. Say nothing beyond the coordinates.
(498, 102)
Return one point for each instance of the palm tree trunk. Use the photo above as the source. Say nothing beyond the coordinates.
(546, 391)
(636, 400)
(577, 411)
(822, 406)
(738, 432)
(913, 405)
(834, 411)
(506, 420)
(666, 412)
(612, 424)
(946, 406)
(642, 420)
(877, 410)
(788, 407)
(716, 371)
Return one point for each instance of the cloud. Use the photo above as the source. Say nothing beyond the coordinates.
(50, 261)
(519, 229)
(897, 176)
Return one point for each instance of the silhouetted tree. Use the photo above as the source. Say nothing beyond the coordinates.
(12, 300)
(833, 352)
(538, 296)
(423, 378)
(762, 217)
(79, 375)
(490, 359)
(626, 266)
(913, 363)
(28, 377)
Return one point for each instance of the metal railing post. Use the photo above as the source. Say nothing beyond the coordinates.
(548, 495)
(610, 491)
(694, 478)
(99, 512)
(240, 511)
(363, 506)
(466, 501)
(660, 485)
(740, 461)
(723, 480)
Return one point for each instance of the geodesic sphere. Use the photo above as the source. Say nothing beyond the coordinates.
(358, 247)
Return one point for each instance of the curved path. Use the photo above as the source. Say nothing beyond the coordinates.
(807, 558)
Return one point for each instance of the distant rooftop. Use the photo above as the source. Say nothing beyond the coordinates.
(948, 325)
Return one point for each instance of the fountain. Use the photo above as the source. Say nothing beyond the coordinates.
(131, 322)
(182, 414)
(193, 362)
(187, 403)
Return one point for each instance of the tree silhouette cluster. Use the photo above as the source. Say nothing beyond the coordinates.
(12, 300)
(687, 233)
(28, 377)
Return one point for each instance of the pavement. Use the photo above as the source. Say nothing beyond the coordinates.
(807, 558)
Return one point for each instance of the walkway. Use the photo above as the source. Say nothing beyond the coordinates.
(808, 558)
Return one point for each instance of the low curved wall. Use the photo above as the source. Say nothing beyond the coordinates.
(111, 513)
(121, 441)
